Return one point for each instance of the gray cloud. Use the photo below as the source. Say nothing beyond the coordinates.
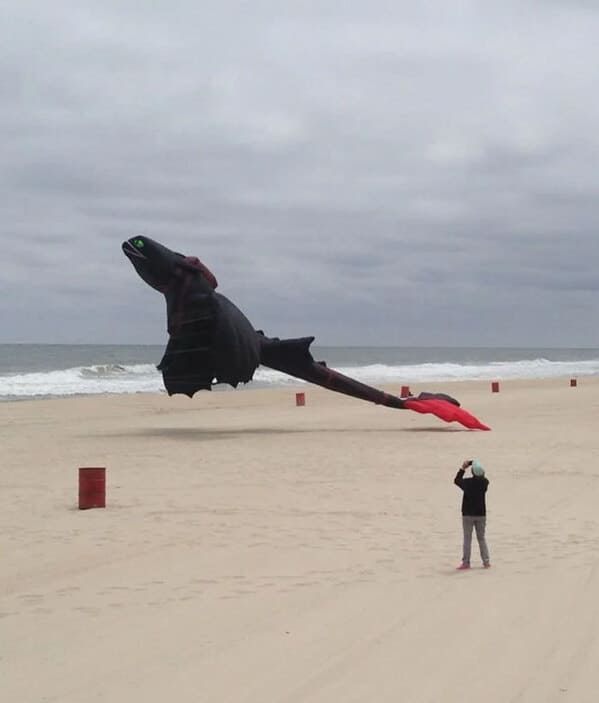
(390, 172)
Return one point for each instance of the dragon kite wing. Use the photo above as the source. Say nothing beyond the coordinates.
(212, 341)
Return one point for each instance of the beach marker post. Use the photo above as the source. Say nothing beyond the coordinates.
(300, 399)
(495, 386)
(92, 487)
(405, 391)
(573, 383)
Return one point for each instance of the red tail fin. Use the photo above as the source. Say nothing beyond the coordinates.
(445, 411)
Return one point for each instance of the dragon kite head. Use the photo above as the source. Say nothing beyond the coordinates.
(155, 263)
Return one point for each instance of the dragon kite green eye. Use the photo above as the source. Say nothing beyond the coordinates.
(139, 243)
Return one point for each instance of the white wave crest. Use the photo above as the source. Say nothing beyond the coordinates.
(145, 378)
(110, 378)
(417, 373)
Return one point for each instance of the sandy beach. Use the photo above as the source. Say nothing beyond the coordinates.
(252, 551)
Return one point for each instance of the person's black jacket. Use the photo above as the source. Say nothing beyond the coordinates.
(473, 501)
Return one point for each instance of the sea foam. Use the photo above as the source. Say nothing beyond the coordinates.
(145, 378)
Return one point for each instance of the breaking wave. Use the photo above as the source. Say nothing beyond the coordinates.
(145, 378)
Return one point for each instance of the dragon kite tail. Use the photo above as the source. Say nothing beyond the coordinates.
(292, 356)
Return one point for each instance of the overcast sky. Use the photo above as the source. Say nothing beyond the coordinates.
(367, 172)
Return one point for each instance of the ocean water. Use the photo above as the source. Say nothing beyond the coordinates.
(41, 371)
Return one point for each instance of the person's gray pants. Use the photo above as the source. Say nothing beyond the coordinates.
(478, 522)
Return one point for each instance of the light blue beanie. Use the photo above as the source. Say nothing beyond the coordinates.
(477, 468)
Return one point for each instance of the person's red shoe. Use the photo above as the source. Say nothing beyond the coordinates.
(462, 567)
(486, 566)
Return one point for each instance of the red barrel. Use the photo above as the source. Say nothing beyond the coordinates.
(495, 386)
(300, 398)
(572, 383)
(92, 488)
(405, 391)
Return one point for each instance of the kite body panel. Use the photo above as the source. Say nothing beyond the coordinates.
(210, 340)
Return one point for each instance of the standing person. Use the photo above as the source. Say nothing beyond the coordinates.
(474, 510)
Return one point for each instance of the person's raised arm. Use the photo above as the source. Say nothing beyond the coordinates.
(459, 477)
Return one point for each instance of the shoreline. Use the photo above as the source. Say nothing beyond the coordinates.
(393, 388)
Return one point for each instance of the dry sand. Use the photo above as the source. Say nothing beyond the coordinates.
(256, 552)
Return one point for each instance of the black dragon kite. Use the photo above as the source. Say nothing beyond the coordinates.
(211, 340)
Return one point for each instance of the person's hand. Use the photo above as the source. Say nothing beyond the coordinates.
(466, 464)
